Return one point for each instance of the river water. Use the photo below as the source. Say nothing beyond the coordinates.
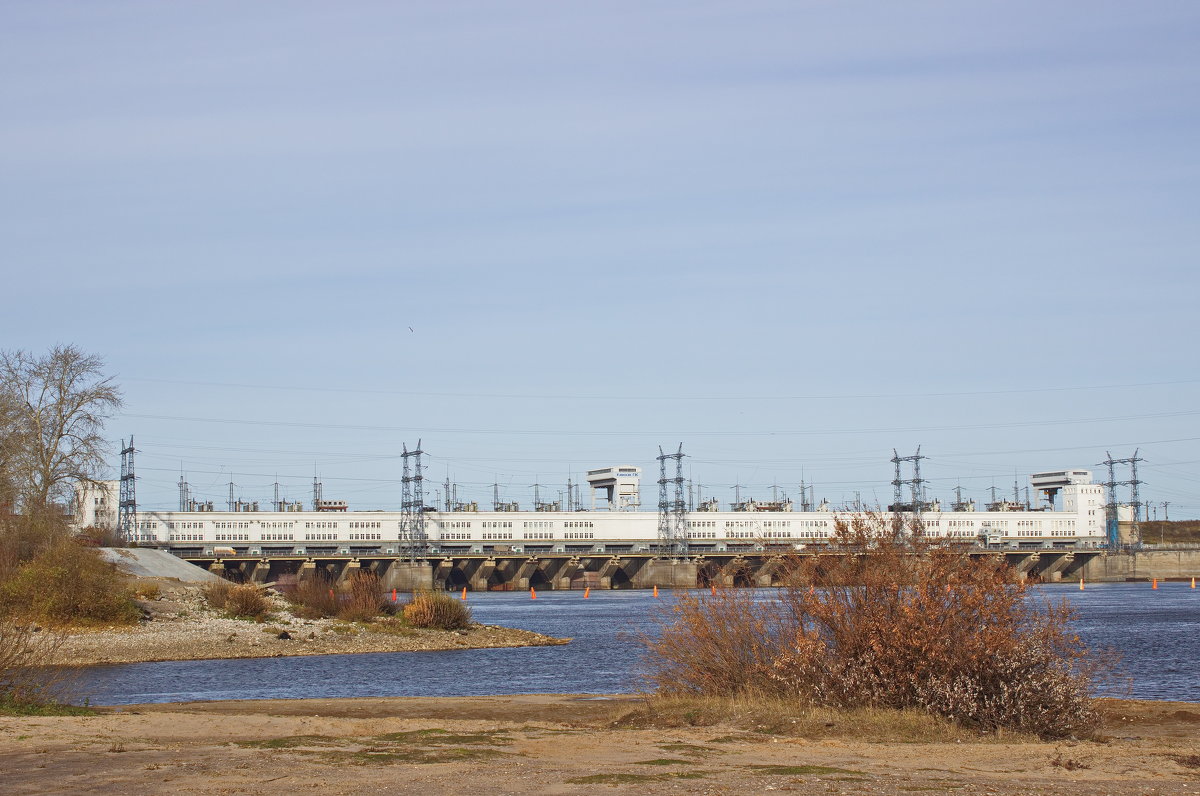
(1157, 633)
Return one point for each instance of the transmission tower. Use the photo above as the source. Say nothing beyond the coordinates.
(127, 503)
(318, 493)
(672, 509)
(412, 518)
(1111, 514)
(916, 484)
(185, 497)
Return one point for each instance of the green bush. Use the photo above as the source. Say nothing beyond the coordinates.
(437, 611)
(68, 584)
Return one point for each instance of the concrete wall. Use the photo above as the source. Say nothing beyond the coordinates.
(1143, 565)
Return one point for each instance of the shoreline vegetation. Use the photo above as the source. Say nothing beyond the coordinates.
(564, 744)
(179, 623)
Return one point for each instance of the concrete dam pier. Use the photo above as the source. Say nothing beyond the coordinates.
(559, 571)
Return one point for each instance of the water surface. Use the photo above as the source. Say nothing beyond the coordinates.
(1157, 632)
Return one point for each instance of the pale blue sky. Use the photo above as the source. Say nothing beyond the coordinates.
(789, 235)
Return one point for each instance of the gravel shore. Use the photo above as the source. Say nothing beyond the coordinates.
(179, 626)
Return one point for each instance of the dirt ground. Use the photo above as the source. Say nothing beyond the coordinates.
(554, 744)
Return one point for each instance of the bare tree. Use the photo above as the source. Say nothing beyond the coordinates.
(52, 412)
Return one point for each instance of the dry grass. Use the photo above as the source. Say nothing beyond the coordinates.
(363, 599)
(314, 598)
(247, 602)
(780, 716)
(216, 593)
(892, 622)
(438, 611)
(1162, 532)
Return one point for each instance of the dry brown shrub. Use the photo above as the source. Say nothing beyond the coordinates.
(247, 602)
(438, 611)
(889, 620)
(216, 593)
(314, 598)
(363, 598)
(29, 682)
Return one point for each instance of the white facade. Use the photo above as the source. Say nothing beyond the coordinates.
(620, 487)
(1079, 523)
(96, 505)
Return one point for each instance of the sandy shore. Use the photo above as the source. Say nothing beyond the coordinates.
(559, 745)
(180, 626)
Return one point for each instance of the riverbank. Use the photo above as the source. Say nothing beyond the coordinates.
(563, 744)
(179, 626)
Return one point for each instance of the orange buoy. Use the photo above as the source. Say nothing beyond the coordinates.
(586, 591)
(655, 591)
(393, 595)
(713, 586)
(1193, 583)
(1081, 582)
(1154, 583)
(532, 593)
(464, 594)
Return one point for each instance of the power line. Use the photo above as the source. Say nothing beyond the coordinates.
(687, 397)
(614, 433)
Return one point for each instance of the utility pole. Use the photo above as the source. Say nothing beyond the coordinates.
(127, 504)
(916, 483)
(183, 492)
(1134, 502)
(672, 517)
(412, 506)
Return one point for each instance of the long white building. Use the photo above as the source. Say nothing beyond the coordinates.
(1069, 514)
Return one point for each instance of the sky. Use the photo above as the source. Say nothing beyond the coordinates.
(543, 237)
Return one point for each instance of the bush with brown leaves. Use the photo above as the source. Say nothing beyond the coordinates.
(888, 620)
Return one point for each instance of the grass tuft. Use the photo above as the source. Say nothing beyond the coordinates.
(438, 611)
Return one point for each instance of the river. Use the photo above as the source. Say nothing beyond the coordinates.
(1157, 632)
